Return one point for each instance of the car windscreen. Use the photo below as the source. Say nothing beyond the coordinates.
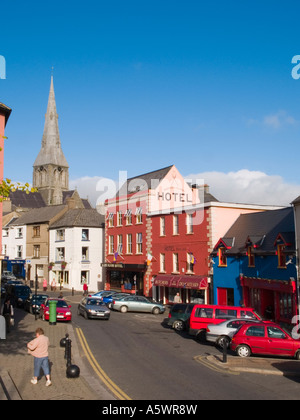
(96, 302)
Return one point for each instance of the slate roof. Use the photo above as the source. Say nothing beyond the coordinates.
(143, 182)
(5, 110)
(262, 229)
(40, 215)
(28, 201)
(80, 218)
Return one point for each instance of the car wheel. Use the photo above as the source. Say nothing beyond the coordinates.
(223, 341)
(201, 336)
(78, 312)
(243, 350)
(178, 325)
(123, 309)
(155, 311)
(297, 355)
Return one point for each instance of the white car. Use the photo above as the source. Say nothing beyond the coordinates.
(221, 334)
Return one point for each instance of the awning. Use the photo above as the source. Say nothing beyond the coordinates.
(181, 282)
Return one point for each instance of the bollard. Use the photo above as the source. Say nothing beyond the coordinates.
(224, 351)
(72, 371)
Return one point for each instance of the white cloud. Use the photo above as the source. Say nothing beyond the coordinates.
(274, 121)
(243, 186)
(251, 187)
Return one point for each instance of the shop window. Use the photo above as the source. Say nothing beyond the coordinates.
(251, 257)
(281, 256)
(85, 277)
(222, 257)
(60, 254)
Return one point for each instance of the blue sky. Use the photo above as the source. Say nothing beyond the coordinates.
(142, 84)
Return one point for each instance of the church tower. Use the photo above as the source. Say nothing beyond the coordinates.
(51, 169)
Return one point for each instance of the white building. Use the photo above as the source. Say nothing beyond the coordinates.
(76, 250)
(14, 247)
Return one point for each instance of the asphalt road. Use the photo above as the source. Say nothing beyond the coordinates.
(151, 362)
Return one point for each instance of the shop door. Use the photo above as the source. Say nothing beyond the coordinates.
(225, 296)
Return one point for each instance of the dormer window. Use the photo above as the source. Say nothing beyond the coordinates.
(251, 257)
(281, 256)
(222, 257)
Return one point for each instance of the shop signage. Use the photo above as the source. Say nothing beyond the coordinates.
(112, 265)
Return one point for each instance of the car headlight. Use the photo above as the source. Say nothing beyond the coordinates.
(47, 312)
(68, 313)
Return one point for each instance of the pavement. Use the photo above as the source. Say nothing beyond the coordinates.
(16, 365)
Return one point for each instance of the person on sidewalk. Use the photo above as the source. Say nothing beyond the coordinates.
(38, 348)
(8, 313)
(85, 289)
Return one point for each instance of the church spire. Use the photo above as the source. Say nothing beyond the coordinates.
(51, 169)
(51, 151)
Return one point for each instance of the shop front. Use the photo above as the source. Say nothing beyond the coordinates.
(128, 278)
(191, 289)
(272, 299)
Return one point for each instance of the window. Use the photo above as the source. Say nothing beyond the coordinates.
(19, 251)
(274, 332)
(162, 260)
(36, 251)
(251, 257)
(85, 277)
(221, 313)
(85, 253)
(138, 215)
(36, 231)
(120, 244)
(60, 254)
(139, 243)
(128, 217)
(222, 257)
(5, 233)
(119, 218)
(85, 234)
(110, 220)
(175, 263)
(19, 233)
(111, 244)
(60, 235)
(190, 262)
(204, 313)
(281, 256)
(255, 331)
(162, 226)
(129, 243)
(189, 224)
(175, 225)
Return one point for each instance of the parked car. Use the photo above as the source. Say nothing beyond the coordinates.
(221, 334)
(33, 303)
(18, 293)
(179, 315)
(63, 312)
(8, 275)
(202, 315)
(103, 293)
(264, 338)
(108, 300)
(93, 308)
(137, 304)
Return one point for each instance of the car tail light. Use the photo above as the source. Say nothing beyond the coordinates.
(113, 302)
(207, 329)
(170, 316)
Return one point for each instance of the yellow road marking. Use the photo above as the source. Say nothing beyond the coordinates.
(99, 371)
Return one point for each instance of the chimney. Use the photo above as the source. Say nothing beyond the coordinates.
(71, 203)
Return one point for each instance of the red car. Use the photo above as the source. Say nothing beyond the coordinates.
(264, 338)
(63, 312)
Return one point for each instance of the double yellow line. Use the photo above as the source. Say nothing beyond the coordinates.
(99, 371)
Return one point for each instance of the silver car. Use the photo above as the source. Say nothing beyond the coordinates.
(221, 334)
(93, 308)
(137, 304)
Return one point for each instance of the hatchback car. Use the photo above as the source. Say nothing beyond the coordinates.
(268, 339)
(18, 293)
(33, 303)
(179, 315)
(221, 334)
(93, 308)
(63, 312)
(137, 304)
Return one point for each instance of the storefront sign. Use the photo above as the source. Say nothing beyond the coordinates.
(112, 265)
